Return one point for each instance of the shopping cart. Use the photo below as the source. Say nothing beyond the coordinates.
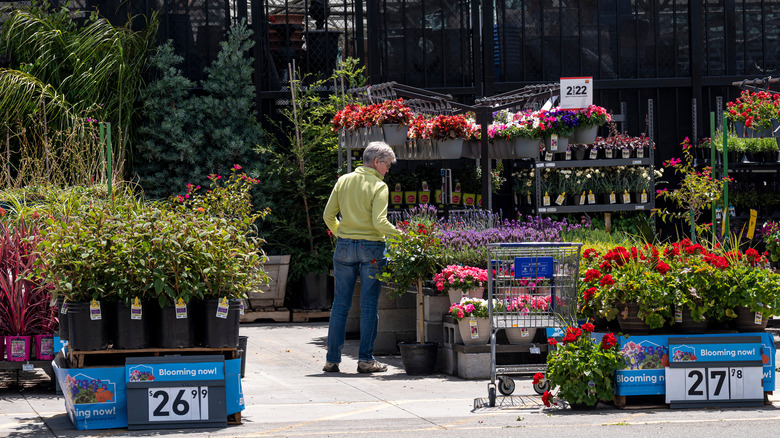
(534, 285)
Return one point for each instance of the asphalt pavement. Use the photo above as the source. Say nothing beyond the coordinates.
(288, 395)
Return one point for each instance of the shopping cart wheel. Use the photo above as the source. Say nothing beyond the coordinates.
(492, 397)
(541, 387)
(506, 385)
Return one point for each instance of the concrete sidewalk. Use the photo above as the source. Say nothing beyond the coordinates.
(287, 394)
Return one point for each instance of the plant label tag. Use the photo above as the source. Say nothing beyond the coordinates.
(473, 328)
(554, 142)
(28, 367)
(718, 216)
(591, 198)
(94, 310)
(546, 200)
(732, 211)
(677, 315)
(759, 319)
(181, 309)
(464, 294)
(222, 308)
(241, 308)
(18, 347)
(560, 198)
(524, 332)
(644, 197)
(626, 153)
(548, 156)
(535, 350)
(594, 153)
(64, 309)
(582, 198)
(568, 155)
(640, 153)
(626, 198)
(528, 198)
(608, 153)
(136, 311)
(612, 198)
(47, 346)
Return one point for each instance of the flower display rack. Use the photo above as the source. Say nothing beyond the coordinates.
(645, 161)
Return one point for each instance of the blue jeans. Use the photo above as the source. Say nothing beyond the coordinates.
(353, 257)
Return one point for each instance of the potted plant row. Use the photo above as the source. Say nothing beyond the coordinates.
(168, 274)
(681, 285)
(27, 320)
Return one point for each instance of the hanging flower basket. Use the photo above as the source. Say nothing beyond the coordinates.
(395, 134)
(449, 149)
(584, 135)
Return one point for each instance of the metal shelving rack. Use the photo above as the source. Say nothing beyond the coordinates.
(571, 164)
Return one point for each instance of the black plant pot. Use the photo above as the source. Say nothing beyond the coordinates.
(85, 333)
(313, 290)
(63, 320)
(219, 332)
(173, 332)
(419, 359)
(133, 333)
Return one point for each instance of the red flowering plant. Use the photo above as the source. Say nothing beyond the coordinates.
(444, 127)
(626, 275)
(770, 233)
(389, 112)
(581, 368)
(746, 280)
(755, 109)
(460, 277)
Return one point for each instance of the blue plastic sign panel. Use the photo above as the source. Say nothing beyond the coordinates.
(534, 267)
(176, 392)
(95, 398)
(715, 371)
(648, 356)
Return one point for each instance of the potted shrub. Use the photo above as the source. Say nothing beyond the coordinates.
(413, 255)
(751, 294)
(225, 257)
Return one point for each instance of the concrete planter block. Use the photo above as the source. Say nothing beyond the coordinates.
(436, 307)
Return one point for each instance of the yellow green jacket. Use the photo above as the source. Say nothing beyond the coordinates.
(361, 198)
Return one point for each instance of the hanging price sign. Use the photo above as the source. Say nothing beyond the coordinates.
(576, 93)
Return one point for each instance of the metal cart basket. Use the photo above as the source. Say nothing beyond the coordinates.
(530, 285)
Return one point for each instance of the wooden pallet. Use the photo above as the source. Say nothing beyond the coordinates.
(273, 314)
(299, 315)
(116, 357)
(234, 419)
(640, 402)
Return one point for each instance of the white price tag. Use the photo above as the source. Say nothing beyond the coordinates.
(576, 93)
(535, 350)
(28, 367)
(178, 403)
(714, 384)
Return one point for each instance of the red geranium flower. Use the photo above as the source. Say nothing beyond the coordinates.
(588, 327)
(608, 341)
(538, 377)
(552, 341)
(546, 398)
(607, 280)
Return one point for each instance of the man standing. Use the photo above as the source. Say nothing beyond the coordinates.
(361, 198)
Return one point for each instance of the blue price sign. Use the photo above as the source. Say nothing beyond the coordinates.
(534, 267)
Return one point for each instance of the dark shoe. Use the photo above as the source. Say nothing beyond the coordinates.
(331, 367)
(373, 366)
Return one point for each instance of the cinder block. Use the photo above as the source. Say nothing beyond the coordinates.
(434, 332)
(451, 334)
(448, 361)
(398, 320)
(473, 365)
(435, 307)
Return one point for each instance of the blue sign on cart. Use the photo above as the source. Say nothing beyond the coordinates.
(533, 267)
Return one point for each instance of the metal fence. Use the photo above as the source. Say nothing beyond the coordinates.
(671, 51)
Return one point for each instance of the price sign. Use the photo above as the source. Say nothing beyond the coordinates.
(715, 371)
(177, 404)
(576, 93)
(175, 392)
